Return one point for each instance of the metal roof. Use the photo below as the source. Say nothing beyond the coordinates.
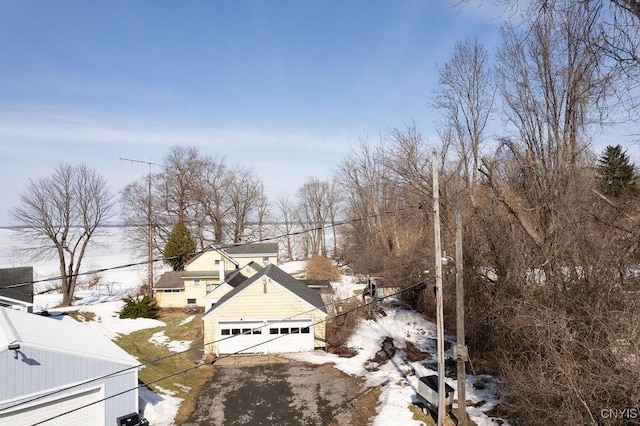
(64, 336)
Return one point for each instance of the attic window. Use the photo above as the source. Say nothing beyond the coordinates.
(217, 262)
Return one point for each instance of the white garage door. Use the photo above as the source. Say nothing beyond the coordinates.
(265, 336)
(43, 410)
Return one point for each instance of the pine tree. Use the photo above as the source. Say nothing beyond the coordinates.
(616, 173)
(180, 246)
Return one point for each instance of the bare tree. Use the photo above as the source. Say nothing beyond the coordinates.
(213, 188)
(312, 207)
(286, 222)
(61, 214)
(465, 98)
(246, 192)
(552, 87)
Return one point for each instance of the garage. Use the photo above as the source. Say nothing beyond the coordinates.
(54, 366)
(293, 335)
(269, 312)
(40, 411)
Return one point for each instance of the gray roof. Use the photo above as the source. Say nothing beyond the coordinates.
(285, 280)
(172, 279)
(253, 249)
(235, 278)
(253, 265)
(200, 274)
(12, 276)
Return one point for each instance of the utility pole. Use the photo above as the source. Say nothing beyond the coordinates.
(439, 304)
(460, 353)
(149, 225)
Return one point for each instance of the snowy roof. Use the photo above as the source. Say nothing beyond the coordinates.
(35, 331)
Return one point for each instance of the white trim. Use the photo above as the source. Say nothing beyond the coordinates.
(54, 396)
(16, 301)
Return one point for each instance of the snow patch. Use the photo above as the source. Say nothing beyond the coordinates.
(162, 340)
(187, 320)
(161, 408)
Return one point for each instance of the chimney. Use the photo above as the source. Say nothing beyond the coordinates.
(222, 271)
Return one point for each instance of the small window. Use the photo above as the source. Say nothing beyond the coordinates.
(305, 330)
(225, 332)
(273, 331)
(257, 331)
(265, 259)
(246, 331)
(196, 282)
(295, 330)
(235, 331)
(284, 330)
(191, 301)
(217, 262)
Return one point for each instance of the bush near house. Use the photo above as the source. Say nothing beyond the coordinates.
(322, 268)
(139, 307)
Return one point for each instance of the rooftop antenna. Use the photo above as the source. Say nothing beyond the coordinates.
(149, 224)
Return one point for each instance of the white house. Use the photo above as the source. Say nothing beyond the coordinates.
(269, 312)
(61, 373)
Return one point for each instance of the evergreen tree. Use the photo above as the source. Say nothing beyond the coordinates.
(180, 246)
(616, 173)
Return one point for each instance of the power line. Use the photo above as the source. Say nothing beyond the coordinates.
(224, 356)
(222, 246)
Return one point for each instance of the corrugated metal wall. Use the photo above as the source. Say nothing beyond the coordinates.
(37, 370)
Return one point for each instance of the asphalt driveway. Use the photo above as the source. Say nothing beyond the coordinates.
(277, 393)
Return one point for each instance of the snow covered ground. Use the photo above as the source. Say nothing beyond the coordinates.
(397, 379)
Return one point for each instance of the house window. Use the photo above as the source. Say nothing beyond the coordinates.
(284, 330)
(305, 330)
(171, 290)
(295, 330)
(217, 262)
(265, 259)
(257, 331)
(196, 282)
(191, 301)
(246, 331)
(235, 331)
(273, 331)
(225, 332)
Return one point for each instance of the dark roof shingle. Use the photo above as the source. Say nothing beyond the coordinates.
(12, 276)
(287, 281)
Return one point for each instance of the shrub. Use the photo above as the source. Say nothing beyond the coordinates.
(139, 307)
(322, 268)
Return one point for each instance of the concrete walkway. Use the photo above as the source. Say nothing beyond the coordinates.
(249, 360)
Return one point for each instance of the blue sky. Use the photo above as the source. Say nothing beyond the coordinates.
(285, 87)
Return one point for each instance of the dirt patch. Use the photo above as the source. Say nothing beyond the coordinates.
(414, 354)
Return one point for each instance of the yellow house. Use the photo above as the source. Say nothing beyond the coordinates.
(269, 312)
(212, 273)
